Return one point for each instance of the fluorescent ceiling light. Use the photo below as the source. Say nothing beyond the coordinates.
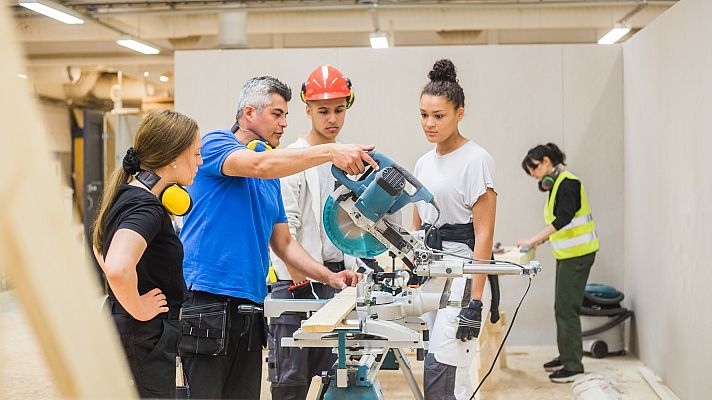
(53, 10)
(137, 46)
(614, 34)
(379, 40)
(22, 76)
(163, 78)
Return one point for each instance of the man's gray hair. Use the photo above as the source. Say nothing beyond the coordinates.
(257, 93)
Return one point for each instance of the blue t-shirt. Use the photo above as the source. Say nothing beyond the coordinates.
(226, 234)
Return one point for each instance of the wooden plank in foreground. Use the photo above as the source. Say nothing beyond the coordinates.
(57, 289)
(331, 315)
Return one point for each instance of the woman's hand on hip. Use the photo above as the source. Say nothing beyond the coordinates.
(151, 304)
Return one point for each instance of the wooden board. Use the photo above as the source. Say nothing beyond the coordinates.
(512, 254)
(57, 289)
(332, 314)
(490, 340)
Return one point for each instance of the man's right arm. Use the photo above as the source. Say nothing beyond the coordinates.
(279, 163)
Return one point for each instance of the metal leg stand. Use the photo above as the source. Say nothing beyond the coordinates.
(408, 373)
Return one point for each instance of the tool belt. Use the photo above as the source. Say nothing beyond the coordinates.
(207, 321)
(463, 233)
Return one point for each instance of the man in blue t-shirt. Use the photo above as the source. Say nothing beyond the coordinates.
(237, 215)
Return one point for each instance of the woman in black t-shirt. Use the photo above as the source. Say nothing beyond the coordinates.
(140, 253)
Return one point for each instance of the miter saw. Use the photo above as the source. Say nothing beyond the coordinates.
(360, 218)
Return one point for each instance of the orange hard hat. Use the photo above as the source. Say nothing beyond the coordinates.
(327, 82)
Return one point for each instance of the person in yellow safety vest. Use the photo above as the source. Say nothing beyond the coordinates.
(571, 232)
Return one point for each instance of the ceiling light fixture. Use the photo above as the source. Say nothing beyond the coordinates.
(622, 27)
(53, 10)
(22, 76)
(135, 45)
(379, 40)
(615, 34)
(163, 78)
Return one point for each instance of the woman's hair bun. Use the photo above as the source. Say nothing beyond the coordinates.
(443, 70)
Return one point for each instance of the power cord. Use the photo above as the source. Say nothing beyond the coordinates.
(495, 262)
(506, 335)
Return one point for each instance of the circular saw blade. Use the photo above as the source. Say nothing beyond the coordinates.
(346, 235)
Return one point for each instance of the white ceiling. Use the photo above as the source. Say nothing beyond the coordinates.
(191, 24)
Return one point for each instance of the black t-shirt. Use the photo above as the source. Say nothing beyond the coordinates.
(567, 202)
(161, 265)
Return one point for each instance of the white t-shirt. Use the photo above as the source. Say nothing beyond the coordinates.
(329, 252)
(456, 180)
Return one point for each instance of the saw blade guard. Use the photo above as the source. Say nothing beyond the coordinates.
(346, 235)
(372, 197)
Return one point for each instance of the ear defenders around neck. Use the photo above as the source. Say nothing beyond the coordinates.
(547, 182)
(259, 145)
(175, 198)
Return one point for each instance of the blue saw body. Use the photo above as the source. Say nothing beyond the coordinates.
(376, 195)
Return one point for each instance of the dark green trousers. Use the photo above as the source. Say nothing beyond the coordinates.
(571, 277)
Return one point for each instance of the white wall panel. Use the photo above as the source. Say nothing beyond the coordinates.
(516, 97)
(668, 120)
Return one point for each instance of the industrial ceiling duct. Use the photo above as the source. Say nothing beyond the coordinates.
(232, 29)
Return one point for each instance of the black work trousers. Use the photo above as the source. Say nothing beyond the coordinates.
(237, 374)
(151, 348)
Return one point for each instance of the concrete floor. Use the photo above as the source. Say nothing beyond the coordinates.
(23, 373)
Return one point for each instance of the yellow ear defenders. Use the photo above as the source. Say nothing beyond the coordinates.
(259, 145)
(175, 198)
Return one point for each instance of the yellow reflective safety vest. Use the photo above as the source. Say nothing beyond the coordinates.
(578, 238)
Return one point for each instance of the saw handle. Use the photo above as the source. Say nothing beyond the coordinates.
(383, 161)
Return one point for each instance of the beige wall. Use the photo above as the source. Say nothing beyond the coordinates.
(516, 97)
(668, 125)
(55, 121)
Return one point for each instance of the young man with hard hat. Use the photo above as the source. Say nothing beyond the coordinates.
(327, 94)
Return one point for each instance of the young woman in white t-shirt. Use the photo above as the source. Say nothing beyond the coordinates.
(460, 174)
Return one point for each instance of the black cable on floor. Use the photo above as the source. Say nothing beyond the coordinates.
(511, 324)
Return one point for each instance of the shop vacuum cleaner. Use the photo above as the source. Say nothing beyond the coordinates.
(602, 320)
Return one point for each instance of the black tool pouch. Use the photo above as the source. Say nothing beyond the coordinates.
(205, 329)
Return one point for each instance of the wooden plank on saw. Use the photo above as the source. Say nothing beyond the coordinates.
(331, 315)
(57, 289)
